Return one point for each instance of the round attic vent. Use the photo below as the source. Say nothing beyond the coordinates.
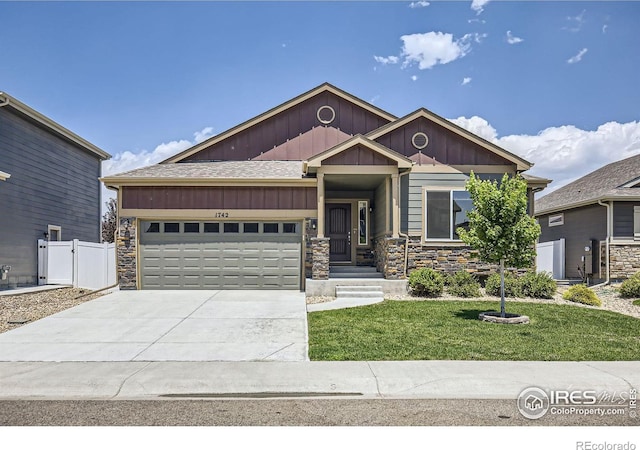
(326, 114)
(420, 140)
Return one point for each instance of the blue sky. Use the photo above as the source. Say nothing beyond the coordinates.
(555, 82)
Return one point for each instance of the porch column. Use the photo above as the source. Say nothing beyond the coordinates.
(320, 194)
(395, 207)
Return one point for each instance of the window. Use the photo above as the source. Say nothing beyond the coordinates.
(250, 227)
(445, 212)
(289, 227)
(151, 227)
(270, 228)
(556, 220)
(363, 222)
(54, 232)
(192, 227)
(231, 227)
(210, 227)
(171, 227)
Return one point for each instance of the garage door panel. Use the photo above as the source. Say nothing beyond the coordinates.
(220, 261)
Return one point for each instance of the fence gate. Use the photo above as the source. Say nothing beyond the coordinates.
(76, 263)
(550, 258)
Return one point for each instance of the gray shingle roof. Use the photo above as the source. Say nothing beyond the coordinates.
(605, 182)
(218, 170)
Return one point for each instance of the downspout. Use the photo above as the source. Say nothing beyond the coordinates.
(400, 233)
(608, 270)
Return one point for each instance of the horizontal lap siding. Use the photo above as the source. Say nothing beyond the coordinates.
(289, 124)
(412, 219)
(623, 219)
(218, 197)
(580, 226)
(52, 182)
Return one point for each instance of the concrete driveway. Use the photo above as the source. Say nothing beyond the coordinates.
(168, 326)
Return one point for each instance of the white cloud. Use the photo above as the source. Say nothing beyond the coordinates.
(387, 59)
(511, 39)
(414, 77)
(420, 4)
(466, 80)
(604, 28)
(434, 47)
(564, 153)
(127, 160)
(478, 5)
(576, 22)
(477, 125)
(578, 57)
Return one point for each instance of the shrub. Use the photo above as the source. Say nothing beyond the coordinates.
(426, 282)
(630, 288)
(580, 293)
(537, 285)
(636, 302)
(511, 285)
(463, 284)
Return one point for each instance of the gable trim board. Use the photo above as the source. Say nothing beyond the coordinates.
(325, 87)
(520, 163)
(58, 129)
(402, 161)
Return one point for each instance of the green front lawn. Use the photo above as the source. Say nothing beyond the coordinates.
(422, 330)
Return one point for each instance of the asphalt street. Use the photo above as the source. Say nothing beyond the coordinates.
(284, 412)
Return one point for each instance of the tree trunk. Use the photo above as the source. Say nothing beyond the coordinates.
(503, 312)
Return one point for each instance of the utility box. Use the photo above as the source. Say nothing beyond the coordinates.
(4, 272)
(589, 249)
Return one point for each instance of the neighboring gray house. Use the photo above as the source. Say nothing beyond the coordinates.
(49, 188)
(598, 216)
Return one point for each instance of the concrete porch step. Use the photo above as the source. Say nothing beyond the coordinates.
(362, 292)
(355, 275)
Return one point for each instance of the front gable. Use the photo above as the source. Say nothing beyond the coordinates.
(325, 106)
(359, 151)
(426, 133)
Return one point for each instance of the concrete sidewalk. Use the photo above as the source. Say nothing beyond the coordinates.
(380, 379)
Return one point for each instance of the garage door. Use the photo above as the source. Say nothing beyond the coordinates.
(220, 255)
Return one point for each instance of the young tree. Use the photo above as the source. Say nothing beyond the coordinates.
(109, 221)
(499, 227)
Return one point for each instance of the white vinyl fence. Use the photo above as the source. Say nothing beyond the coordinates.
(550, 258)
(80, 264)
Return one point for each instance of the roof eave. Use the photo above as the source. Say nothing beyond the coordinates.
(53, 126)
(593, 201)
(180, 181)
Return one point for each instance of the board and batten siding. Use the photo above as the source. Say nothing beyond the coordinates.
(53, 182)
(581, 225)
(411, 196)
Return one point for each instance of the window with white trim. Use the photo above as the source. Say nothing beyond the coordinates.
(556, 220)
(445, 212)
(54, 232)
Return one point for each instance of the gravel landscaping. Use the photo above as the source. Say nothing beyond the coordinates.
(17, 310)
(611, 301)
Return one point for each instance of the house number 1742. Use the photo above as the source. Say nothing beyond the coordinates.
(222, 214)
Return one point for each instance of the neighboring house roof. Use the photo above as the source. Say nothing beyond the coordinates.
(325, 87)
(520, 163)
(4, 176)
(8, 101)
(304, 146)
(210, 171)
(618, 180)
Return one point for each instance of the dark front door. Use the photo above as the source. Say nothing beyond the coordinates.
(338, 230)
